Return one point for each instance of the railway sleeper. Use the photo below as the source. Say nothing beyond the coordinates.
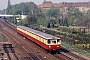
(26, 58)
(33, 57)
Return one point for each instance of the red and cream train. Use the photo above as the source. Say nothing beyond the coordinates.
(47, 41)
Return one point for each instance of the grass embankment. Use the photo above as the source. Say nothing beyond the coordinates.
(73, 48)
(73, 41)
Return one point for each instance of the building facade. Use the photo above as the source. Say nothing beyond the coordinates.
(82, 6)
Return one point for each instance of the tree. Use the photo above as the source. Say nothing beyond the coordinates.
(18, 12)
(71, 19)
(31, 20)
(53, 13)
(26, 8)
(41, 19)
(8, 7)
(48, 25)
(88, 14)
(88, 19)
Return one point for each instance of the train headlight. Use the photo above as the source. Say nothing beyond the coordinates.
(57, 46)
(49, 46)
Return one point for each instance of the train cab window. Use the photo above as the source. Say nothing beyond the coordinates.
(53, 41)
(58, 41)
(49, 42)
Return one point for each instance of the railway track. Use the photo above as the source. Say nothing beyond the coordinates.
(60, 57)
(71, 55)
(21, 47)
(10, 53)
(27, 56)
(24, 48)
(39, 55)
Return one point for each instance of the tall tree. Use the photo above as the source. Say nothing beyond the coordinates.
(31, 20)
(53, 13)
(26, 8)
(8, 7)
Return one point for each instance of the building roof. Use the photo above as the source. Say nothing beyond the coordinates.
(47, 5)
(65, 4)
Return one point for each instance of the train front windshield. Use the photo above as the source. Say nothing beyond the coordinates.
(51, 41)
(58, 41)
(54, 41)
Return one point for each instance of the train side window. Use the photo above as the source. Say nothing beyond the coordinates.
(41, 39)
(34, 35)
(58, 41)
(29, 33)
(45, 41)
(49, 42)
(38, 37)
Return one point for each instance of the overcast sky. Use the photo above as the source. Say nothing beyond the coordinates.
(3, 3)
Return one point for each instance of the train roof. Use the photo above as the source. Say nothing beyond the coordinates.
(44, 35)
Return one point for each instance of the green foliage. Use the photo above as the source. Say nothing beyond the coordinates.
(77, 12)
(71, 19)
(70, 16)
(71, 47)
(52, 12)
(26, 8)
(30, 20)
(73, 13)
(8, 7)
(48, 25)
(79, 40)
(42, 22)
(18, 12)
(88, 14)
(41, 19)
